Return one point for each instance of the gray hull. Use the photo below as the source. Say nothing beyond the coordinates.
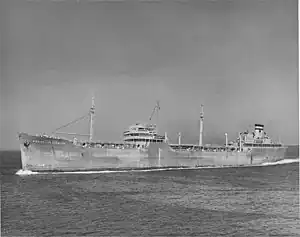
(50, 154)
(170, 157)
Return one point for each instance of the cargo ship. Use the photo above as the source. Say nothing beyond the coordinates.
(142, 148)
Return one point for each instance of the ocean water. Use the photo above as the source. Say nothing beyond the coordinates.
(248, 201)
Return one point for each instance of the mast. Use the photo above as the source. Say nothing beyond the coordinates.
(92, 119)
(166, 137)
(179, 138)
(201, 126)
(240, 141)
(157, 111)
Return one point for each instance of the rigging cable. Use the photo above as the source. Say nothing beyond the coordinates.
(74, 121)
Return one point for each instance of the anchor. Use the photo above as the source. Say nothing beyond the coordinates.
(26, 144)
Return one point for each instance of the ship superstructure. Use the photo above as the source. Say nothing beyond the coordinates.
(142, 134)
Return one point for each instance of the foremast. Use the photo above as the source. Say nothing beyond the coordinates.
(90, 115)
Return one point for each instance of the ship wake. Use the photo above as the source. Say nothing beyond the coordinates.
(28, 172)
(281, 162)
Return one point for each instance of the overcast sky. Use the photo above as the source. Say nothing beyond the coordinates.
(238, 58)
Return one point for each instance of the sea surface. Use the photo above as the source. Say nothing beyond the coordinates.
(252, 201)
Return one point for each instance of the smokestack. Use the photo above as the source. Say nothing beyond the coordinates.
(226, 140)
(201, 126)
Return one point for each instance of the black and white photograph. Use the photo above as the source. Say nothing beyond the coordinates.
(149, 118)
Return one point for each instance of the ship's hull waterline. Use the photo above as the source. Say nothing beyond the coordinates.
(55, 155)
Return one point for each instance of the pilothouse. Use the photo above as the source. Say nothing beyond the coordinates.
(142, 134)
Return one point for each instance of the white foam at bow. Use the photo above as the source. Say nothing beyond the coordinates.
(26, 172)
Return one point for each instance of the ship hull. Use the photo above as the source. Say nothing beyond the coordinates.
(48, 154)
(212, 159)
